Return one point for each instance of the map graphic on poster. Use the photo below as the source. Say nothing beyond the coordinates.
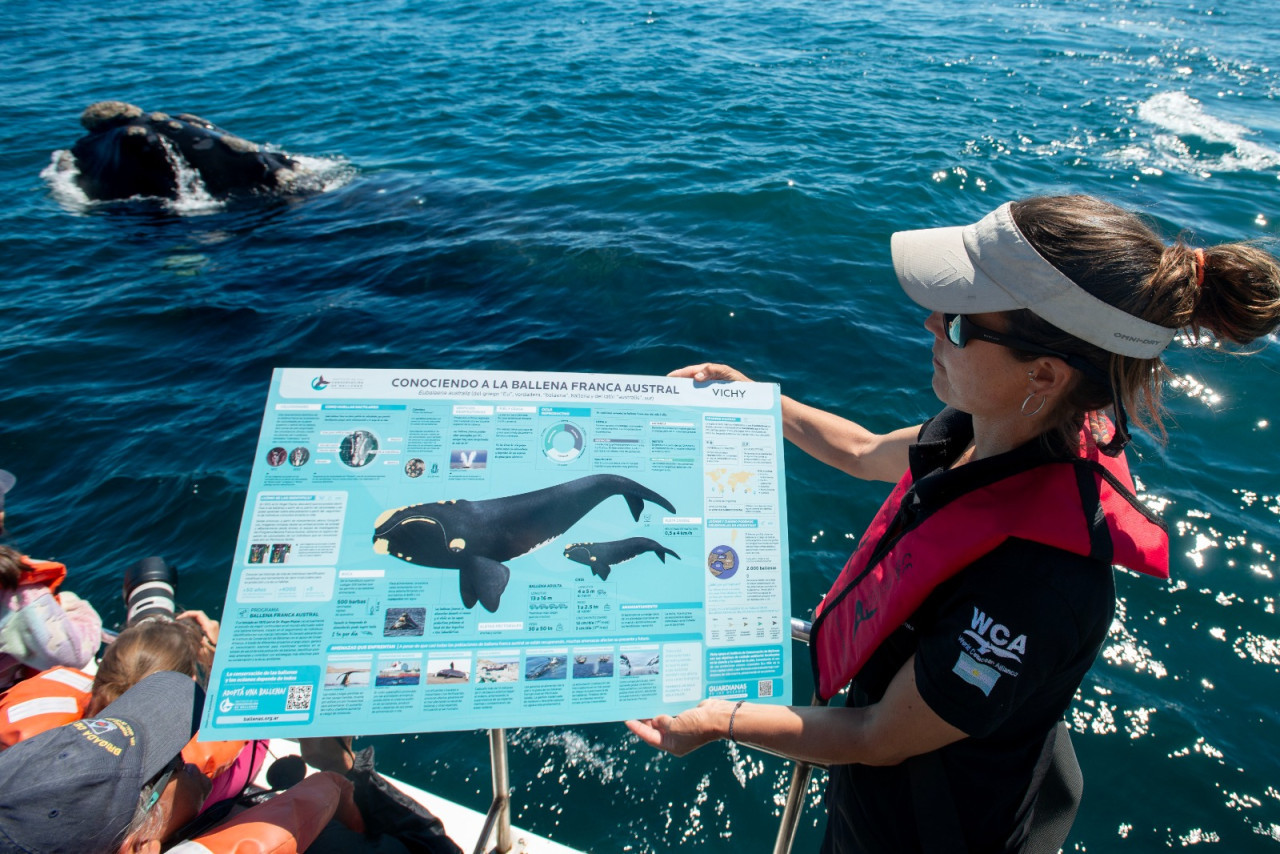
(438, 550)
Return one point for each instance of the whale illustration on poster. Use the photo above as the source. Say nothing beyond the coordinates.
(478, 537)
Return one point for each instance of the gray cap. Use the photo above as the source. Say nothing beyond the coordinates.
(75, 788)
(990, 266)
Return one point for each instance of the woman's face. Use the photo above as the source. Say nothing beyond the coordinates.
(982, 379)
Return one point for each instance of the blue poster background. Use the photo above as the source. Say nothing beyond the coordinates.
(428, 550)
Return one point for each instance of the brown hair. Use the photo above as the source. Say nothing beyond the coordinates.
(141, 650)
(11, 568)
(1119, 257)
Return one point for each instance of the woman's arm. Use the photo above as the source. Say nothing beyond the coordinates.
(898, 727)
(845, 444)
(836, 441)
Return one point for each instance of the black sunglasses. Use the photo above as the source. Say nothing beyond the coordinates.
(961, 330)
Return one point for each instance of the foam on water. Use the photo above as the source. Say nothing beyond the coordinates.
(1193, 138)
(319, 174)
(60, 176)
(193, 197)
(313, 175)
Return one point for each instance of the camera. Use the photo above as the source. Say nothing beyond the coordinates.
(149, 588)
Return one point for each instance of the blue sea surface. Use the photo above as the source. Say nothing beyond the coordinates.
(574, 186)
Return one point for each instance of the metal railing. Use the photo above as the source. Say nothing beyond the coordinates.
(498, 817)
(800, 773)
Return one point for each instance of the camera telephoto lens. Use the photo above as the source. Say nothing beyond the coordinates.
(149, 590)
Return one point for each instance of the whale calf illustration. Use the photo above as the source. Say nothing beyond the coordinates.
(477, 537)
(602, 557)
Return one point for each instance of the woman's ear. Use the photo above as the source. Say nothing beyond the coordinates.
(147, 837)
(136, 845)
(1050, 375)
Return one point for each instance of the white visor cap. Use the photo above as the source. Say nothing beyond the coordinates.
(990, 266)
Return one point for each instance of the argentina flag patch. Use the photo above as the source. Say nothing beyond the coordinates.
(976, 673)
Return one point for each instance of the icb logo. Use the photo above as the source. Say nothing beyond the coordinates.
(226, 705)
(319, 383)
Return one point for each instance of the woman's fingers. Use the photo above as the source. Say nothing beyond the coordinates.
(707, 371)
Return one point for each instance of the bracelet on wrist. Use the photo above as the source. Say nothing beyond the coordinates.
(732, 715)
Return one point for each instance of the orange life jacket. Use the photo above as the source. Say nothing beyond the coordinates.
(286, 824)
(49, 699)
(61, 695)
(50, 573)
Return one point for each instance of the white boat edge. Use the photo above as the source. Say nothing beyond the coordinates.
(464, 825)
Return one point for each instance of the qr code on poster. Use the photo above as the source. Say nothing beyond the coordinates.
(299, 699)
(764, 688)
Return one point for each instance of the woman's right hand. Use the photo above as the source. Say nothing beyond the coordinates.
(707, 371)
(687, 731)
(208, 634)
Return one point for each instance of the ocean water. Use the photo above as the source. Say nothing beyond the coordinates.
(619, 187)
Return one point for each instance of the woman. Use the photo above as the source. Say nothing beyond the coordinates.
(981, 593)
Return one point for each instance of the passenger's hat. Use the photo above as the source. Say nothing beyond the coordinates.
(77, 787)
(990, 266)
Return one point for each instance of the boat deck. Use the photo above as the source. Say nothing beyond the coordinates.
(464, 825)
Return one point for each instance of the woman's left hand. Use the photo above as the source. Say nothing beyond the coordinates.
(687, 731)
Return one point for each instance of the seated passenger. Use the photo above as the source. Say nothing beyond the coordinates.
(117, 785)
(41, 628)
(184, 645)
(93, 784)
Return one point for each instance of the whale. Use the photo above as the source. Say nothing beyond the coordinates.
(477, 538)
(128, 153)
(649, 668)
(545, 668)
(404, 622)
(602, 557)
(345, 677)
(451, 672)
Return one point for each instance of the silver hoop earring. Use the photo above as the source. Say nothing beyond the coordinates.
(1036, 411)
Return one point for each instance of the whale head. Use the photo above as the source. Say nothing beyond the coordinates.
(415, 534)
(580, 553)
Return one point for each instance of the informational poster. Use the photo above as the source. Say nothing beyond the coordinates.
(438, 550)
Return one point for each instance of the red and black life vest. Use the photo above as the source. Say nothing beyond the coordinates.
(1085, 506)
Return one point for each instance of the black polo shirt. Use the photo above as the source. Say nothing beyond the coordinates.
(1000, 649)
